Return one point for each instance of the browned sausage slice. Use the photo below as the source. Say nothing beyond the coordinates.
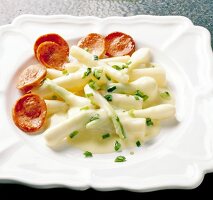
(29, 113)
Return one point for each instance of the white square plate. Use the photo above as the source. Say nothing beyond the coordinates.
(177, 158)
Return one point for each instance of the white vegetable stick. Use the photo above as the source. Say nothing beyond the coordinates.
(72, 67)
(54, 106)
(70, 98)
(83, 56)
(157, 73)
(147, 85)
(159, 112)
(73, 82)
(141, 56)
(53, 73)
(123, 59)
(119, 76)
(126, 102)
(102, 102)
(55, 135)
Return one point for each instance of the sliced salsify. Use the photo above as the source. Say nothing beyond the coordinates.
(31, 77)
(119, 44)
(52, 55)
(51, 37)
(29, 113)
(94, 43)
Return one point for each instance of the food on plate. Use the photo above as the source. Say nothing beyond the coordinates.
(93, 43)
(106, 97)
(51, 37)
(29, 113)
(52, 55)
(119, 44)
(31, 77)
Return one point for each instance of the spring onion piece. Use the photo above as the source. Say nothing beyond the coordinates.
(138, 143)
(131, 113)
(87, 154)
(111, 89)
(65, 72)
(89, 95)
(54, 97)
(108, 78)
(73, 134)
(103, 103)
(165, 95)
(85, 108)
(108, 97)
(138, 93)
(87, 73)
(106, 135)
(97, 73)
(120, 159)
(95, 57)
(93, 85)
(95, 117)
(149, 122)
(117, 145)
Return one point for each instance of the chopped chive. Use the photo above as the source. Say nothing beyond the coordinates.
(138, 143)
(120, 159)
(87, 73)
(89, 95)
(85, 108)
(111, 89)
(93, 85)
(87, 154)
(141, 94)
(149, 122)
(128, 63)
(121, 126)
(117, 67)
(117, 145)
(54, 97)
(73, 134)
(65, 72)
(131, 113)
(97, 73)
(108, 97)
(137, 97)
(86, 49)
(95, 117)
(95, 57)
(165, 95)
(108, 78)
(106, 135)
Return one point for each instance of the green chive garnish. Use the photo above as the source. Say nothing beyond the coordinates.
(165, 95)
(97, 73)
(108, 78)
(54, 97)
(95, 117)
(149, 122)
(87, 154)
(138, 143)
(73, 134)
(93, 85)
(87, 73)
(65, 72)
(89, 95)
(117, 145)
(85, 108)
(117, 67)
(111, 89)
(128, 63)
(108, 97)
(106, 135)
(120, 159)
(95, 57)
(141, 94)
